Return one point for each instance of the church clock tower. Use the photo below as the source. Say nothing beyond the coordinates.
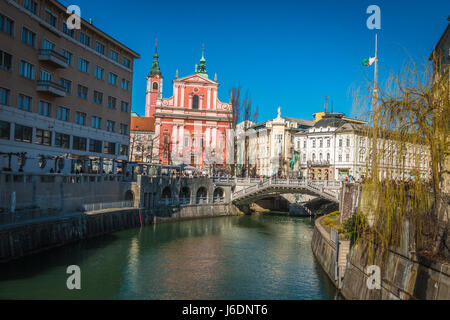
(154, 86)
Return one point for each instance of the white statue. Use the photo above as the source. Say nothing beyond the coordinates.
(279, 112)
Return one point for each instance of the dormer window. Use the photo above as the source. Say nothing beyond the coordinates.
(195, 102)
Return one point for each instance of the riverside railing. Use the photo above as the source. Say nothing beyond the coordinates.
(108, 205)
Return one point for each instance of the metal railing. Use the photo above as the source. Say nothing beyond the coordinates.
(108, 205)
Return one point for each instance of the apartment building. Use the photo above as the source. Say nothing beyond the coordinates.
(270, 145)
(65, 94)
(338, 147)
(142, 139)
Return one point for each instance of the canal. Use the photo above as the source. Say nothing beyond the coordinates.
(246, 257)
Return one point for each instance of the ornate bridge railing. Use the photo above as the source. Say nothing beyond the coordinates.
(326, 189)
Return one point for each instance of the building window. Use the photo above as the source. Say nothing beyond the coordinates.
(347, 157)
(5, 130)
(304, 144)
(110, 126)
(6, 25)
(85, 39)
(43, 137)
(138, 137)
(25, 102)
(62, 140)
(45, 108)
(126, 62)
(67, 84)
(83, 65)
(123, 150)
(80, 118)
(328, 157)
(99, 73)
(112, 102)
(320, 143)
(82, 92)
(30, 5)
(125, 84)
(123, 129)
(113, 79)
(68, 55)
(100, 48)
(79, 143)
(109, 148)
(63, 114)
(5, 60)
(26, 70)
(5, 96)
(340, 142)
(45, 76)
(313, 157)
(66, 30)
(51, 18)
(29, 37)
(195, 102)
(313, 143)
(340, 158)
(348, 142)
(328, 143)
(114, 56)
(138, 148)
(23, 133)
(155, 85)
(98, 97)
(124, 106)
(96, 122)
(95, 146)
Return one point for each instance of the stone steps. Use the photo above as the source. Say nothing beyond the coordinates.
(344, 249)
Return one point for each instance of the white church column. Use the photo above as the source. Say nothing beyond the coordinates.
(175, 96)
(208, 99)
(182, 96)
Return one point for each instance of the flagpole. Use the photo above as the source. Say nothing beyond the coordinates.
(375, 88)
(375, 111)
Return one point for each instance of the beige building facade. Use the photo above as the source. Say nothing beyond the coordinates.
(65, 94)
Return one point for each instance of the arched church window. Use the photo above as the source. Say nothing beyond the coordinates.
(155, 85)
(195, 102)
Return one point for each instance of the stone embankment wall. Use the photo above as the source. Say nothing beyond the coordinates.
(404, 274)
(58, 192)
(20, 240)
(324, 250)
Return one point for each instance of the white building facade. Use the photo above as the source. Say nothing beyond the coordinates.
(338, 147)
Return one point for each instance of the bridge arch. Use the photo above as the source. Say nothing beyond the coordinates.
(218, 195)
(202, 195)
(166, 195)
(129, 196)
(185, 195)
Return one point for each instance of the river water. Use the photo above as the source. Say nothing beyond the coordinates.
(246, 257)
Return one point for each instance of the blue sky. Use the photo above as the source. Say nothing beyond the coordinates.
(285, 53)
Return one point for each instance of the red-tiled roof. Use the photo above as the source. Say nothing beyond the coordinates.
(142, 124)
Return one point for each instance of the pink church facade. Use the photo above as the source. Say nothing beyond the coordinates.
(191, 127)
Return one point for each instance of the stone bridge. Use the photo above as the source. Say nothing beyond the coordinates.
(329, 190)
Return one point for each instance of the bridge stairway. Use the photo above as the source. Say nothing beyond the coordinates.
(344, 249)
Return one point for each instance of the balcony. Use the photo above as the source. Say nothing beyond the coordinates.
(54, 58)
(51, 87)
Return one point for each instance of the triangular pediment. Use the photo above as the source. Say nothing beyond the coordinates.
(196, 78)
